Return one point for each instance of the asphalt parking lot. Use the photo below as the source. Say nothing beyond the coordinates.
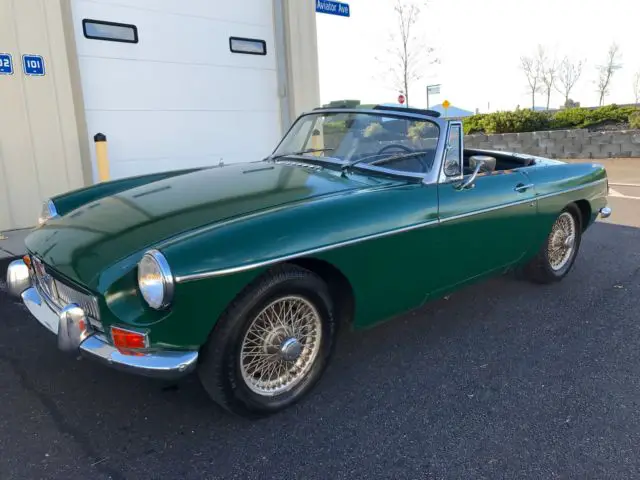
(504, 379)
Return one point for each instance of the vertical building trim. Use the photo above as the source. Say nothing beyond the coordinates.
(302, 56)
(282, 66)
(76, 88)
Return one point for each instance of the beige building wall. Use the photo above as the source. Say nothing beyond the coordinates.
(40, 147)
(302, 56)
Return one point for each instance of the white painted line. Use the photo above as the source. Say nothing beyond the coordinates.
(616, 194)
(625, 184)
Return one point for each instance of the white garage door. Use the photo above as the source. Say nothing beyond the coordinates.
(179, 97)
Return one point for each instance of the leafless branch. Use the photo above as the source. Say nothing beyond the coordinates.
(568, 75)
(408, 54)
(607, 70)
(636, 87)
(532, 68)
(548, 73)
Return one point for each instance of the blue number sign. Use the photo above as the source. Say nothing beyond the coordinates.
(333, 8)
(33, 65)
(6, 64)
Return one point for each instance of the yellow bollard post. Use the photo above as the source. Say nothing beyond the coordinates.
(317, 142)
(102, 159)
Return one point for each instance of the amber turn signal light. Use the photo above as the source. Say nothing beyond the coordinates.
(124, 339)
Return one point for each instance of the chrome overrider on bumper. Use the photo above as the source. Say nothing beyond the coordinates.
(74, 334)
(605, 212)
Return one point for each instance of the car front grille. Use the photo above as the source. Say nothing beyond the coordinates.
(61, 294)
(67, 295)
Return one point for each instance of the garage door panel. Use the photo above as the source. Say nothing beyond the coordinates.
(179, 98)
(241, 11)
(164, 37)
(127, 85)
(142, 167)
(153, 134)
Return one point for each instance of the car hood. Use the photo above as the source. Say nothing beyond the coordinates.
(88, 240)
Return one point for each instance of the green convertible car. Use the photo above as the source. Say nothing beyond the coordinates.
(245, 273)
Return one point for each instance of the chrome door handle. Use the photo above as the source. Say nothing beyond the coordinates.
(523, 188)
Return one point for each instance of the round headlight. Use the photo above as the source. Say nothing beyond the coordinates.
(155, 280)
(48, 211)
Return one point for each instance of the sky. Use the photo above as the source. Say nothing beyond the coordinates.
(479, 45)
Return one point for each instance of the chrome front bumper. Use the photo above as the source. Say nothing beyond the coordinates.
(71, 327)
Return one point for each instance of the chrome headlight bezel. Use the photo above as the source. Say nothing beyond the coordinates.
(157, 292)
(48, 212)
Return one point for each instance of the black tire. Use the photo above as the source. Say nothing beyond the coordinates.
(539, 269)
(220, 370)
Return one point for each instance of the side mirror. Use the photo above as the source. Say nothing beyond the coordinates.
(469, 182)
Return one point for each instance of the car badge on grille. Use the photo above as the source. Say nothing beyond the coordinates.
(37, 264)
(46, 280)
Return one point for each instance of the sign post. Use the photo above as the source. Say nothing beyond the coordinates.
(331, 7)
(433, 90)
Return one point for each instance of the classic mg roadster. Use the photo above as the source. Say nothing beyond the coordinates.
(245, 273)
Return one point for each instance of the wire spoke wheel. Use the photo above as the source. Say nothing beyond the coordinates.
(561, 244)
(281, 345)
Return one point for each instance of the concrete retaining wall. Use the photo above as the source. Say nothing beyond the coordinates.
(562, 143)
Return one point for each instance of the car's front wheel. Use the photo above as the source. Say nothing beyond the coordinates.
(556, 257)
(271, 345)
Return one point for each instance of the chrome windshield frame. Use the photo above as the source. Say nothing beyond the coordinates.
(430, 177)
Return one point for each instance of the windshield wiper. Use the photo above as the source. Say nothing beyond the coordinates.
(301, 152)
(388, 159)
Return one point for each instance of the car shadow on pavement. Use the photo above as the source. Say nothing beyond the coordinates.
(445, 370)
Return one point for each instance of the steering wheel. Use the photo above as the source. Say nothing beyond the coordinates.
(394, 145)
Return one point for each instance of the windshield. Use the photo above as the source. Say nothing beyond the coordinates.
(358, 139)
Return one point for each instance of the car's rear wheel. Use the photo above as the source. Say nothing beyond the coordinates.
(556, 257)
(272, 344)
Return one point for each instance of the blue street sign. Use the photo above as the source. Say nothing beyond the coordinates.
(333, 8)
(6, 64)
(33, 65)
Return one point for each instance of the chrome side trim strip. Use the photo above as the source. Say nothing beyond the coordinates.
(520, 202)
(264, 263)
(486, 210)
(250, 266)
(573, 189)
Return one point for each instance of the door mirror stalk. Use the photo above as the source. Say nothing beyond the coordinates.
(470, 182)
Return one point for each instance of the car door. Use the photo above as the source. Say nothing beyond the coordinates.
(486, 224)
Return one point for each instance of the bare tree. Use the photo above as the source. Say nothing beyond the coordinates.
(532, 68)
(636, 87)
(568, 75)
(607, 70)
(548, 73)
(408, 52)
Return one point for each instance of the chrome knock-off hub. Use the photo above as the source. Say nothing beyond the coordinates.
(291, 349)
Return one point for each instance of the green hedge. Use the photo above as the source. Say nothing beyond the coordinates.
(530, 121)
